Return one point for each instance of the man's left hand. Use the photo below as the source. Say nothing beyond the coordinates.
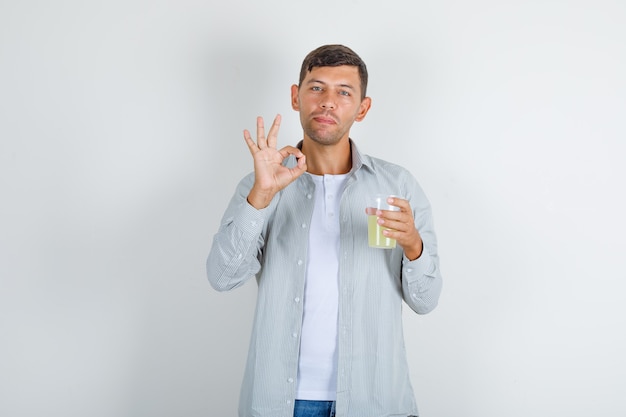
(402, 227)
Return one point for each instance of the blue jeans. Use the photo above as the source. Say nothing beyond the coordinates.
(305, 408)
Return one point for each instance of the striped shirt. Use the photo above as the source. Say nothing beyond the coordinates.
(271, 245)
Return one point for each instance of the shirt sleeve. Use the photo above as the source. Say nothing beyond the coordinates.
(236, 251)
(421, 283)
(421, 278)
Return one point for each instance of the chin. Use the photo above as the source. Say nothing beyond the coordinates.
(325, 140)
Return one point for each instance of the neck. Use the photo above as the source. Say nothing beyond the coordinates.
(327, 159)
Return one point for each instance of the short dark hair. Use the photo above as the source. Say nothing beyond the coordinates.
(334, 56)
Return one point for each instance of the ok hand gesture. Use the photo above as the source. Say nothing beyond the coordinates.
(270, 176)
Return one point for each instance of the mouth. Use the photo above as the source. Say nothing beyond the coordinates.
(325, 120)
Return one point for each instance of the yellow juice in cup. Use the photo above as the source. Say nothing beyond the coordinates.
(375, 236)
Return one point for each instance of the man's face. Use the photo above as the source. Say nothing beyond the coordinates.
(329, 102)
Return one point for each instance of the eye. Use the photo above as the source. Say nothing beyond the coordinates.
(316, 88)
(344, 93)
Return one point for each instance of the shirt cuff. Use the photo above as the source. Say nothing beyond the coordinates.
(249, 219)
(414, 270)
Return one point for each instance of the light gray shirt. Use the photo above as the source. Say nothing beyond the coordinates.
(271, 245)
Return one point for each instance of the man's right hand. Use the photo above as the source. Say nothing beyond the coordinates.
(270, 176)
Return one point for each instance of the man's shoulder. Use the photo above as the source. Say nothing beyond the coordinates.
(380, 165)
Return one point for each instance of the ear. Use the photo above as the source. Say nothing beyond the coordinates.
(295, 104)
(366, 103)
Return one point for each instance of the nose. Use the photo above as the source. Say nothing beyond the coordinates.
(327, 102)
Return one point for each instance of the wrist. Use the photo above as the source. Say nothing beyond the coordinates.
(414, 252)
(260, 199)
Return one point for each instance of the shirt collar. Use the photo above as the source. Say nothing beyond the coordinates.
(358, 160)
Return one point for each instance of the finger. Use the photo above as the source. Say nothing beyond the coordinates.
(396, 220)
(300, 159)
(391, 224)
(302, 163)
(397, 228)
(399, 202)
(250, 142)
(291, 150)
(300, 168)
(395, 215)
(272, 137)
(260, 133)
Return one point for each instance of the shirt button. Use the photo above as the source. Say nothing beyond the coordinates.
(239, 256)
(290, 380)
(414, 295)
(299, 261)
(409, 270)
(309, 196)
(303, 225)
(297, 299)
(253, 222)
(294, 334)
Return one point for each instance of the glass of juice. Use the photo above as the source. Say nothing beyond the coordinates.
(375, 236)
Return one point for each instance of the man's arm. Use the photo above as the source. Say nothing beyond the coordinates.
(237, 245)
(414, 231)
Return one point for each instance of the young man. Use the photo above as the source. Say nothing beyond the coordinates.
(327, 336)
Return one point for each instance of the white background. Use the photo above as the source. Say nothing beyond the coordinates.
(121, 144)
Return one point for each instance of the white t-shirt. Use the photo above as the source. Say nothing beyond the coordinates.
(317, 369)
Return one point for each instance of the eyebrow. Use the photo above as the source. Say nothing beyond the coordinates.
(314, 81)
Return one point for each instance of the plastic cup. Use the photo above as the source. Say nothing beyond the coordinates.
(375, 236)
